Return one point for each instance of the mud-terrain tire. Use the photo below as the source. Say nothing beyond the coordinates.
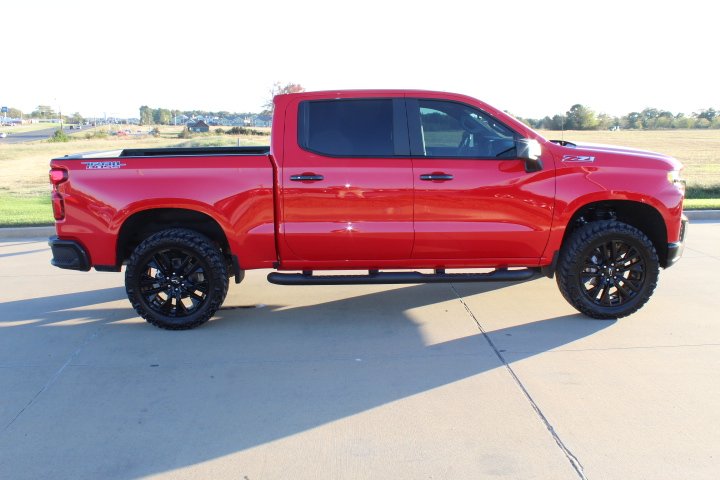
(607, 269)
(176, 279)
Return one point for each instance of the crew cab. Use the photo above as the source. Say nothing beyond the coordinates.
(398, 186)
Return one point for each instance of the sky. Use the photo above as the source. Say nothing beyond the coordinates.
(531, 58)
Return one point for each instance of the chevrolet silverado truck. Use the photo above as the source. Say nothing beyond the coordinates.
(393, 186)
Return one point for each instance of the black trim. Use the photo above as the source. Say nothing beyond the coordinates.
(400, 128)
(306, 178)
(190, 151)
(417, 146)
(549, 270)
(434, 177)
(383, 278)
(239, 274)
(674, 252)
(675, 249)
(68, 254)
(107, 268)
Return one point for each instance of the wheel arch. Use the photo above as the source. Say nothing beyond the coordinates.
(144, 223)
(642, 216)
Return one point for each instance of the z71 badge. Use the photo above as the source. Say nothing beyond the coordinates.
(102, 165)
(577, 159)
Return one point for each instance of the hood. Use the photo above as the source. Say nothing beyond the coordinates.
(604, 151)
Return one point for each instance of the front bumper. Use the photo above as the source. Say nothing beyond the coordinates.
(675, 249)
(68, 254)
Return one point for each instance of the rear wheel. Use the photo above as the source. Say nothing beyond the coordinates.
(607, 269)
(176, 279)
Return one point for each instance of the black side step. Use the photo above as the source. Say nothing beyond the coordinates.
(307, 278)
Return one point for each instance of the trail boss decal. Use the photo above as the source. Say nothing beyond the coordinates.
(577, 159)
(102, 165)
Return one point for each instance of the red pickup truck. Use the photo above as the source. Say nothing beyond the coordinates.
(385, 182)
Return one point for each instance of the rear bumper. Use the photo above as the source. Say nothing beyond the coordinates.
(68, 254)
(675, 249)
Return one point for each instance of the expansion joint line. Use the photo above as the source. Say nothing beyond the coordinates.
(574, 462)
(54, 378)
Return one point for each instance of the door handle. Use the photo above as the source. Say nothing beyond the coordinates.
(434, 177)
(306, 177)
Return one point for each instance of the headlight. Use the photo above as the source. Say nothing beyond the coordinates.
(674, 177)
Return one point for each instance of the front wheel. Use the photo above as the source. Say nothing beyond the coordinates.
(176, 279)
(607, 269)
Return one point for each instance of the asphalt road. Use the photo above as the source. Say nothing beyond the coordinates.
(464, 381)
(33, 136)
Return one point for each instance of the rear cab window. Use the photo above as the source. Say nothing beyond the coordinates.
(353, 127)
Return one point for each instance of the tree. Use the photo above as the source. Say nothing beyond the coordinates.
(43, 111)
(162, 116)
(631, 120)
(681, 121)
(280, 89)
(606, 122)
(146, 115)
(76, 118)
(580, 117)
(14, 113)
(708, 114)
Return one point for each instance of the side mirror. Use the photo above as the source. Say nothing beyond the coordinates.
(530, 151)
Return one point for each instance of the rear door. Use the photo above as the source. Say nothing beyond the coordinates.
(473, 197)
(346, 180)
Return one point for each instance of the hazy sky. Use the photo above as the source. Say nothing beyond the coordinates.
(530, 58)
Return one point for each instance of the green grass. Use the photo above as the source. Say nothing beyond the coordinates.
(702, 204)
(25, 211)
(702, 191)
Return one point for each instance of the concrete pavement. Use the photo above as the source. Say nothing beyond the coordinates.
(422, 381)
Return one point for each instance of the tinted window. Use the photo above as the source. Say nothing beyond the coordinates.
(452, 129)
(347, 127)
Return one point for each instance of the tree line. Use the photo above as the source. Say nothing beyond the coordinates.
(165, 116)
(580, 117)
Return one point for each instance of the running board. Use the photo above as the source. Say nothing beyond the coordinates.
(383, 278)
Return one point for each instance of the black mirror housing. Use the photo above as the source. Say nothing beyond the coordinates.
(530, 151)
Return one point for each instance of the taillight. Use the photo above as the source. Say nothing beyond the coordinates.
(58, 176)
(58, 206)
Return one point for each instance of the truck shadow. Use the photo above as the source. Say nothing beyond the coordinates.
(255, 375)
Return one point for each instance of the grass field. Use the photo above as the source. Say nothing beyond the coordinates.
(25, 211)
(24, 187)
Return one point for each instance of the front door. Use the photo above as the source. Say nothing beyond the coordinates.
(473, 198)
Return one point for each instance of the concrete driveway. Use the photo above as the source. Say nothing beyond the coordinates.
(462, 381)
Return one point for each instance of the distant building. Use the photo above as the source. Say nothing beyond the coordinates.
(262, 121)
(199, 127)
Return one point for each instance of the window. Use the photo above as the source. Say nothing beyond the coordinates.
(452, 129)
(348, 128)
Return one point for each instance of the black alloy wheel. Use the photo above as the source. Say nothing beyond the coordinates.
(613, 273)
(607, 269)
(176, 279)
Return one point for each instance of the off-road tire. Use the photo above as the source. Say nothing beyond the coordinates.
(176, 279)
(607, 269)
